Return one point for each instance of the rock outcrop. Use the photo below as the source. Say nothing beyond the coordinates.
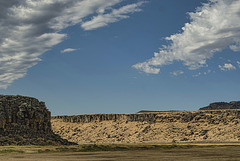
(25, 121)
(183, 116)
(159, 127)
(107, 117)
(222, 105)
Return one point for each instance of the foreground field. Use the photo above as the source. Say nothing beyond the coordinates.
(121, 152)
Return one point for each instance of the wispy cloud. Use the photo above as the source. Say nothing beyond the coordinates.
(213, 27)
(114, 16)
(227, 67)
(238, 62)
(207, 72)
(178, 72)
(197, 75)
(29, 28)
(68, 50)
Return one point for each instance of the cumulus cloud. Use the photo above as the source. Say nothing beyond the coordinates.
(227, 67)
(68, 50)
(213, 27)
(29, 28)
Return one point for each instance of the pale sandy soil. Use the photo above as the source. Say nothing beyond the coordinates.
(144, 132)
(194, 154)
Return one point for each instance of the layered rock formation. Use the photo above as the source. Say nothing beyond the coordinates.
(222, 105)
(183, 116)
(159, 127)
(107, 117)
(25, 120)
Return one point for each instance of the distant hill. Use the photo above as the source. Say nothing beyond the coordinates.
(148, 111)
(222, 106)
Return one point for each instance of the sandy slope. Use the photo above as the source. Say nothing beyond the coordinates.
(144, 132)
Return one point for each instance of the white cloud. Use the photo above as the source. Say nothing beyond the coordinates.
(178, 72)
(68, 50)
(79, 9)
(197, 75)
(114, 16)
(208, 71)
(227, 67)
(238, 62)
(213, 27)
(145, 67)
(29, 28)
(235, 47)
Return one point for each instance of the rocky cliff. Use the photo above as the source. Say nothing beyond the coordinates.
(183, 116)
(25, 120)
(222, 105)
(107, 117)
(159, 127)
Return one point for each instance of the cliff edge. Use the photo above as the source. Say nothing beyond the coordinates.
(159, 127)
(26, 121)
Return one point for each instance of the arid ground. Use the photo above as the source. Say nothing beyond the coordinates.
(130, 152)
(171, 127)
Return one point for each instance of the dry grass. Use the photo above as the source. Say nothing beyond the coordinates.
(145, 132)
(122, 152)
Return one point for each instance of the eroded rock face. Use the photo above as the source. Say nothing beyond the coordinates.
(25, 120)
(18, 113)
(161, 127)
(222, 105)
(211, 117)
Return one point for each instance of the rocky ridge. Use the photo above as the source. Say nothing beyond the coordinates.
(26, 121)
(222, 105)
(158, 127)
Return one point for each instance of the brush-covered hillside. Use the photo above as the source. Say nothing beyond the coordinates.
(152, 127)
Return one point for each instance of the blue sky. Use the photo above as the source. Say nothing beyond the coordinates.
(119, 56)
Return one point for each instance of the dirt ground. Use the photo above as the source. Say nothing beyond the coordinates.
(204, 153)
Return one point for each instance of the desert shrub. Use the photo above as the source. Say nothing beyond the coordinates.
(44, 151)
(6, 151)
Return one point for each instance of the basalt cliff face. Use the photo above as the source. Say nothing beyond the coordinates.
(25, 121)
(153, 127)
